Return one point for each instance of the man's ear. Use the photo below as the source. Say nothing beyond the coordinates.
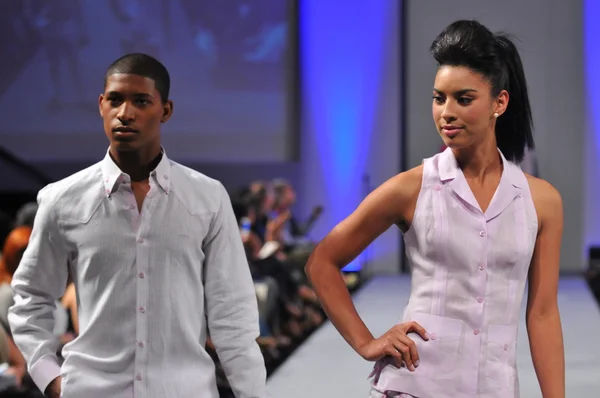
(100, 101)
(167, 111)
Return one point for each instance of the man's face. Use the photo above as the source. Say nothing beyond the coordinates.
(289, 197)
(132, 111)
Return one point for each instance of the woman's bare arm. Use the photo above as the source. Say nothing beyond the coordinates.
(391, 203)
(542, 317)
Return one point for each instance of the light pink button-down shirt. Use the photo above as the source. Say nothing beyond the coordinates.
(469, 270)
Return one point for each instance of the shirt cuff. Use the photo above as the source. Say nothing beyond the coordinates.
(44, 371)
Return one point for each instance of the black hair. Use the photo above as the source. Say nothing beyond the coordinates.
(470, 44)
(240, 209)
(280, 185)
(146, 66)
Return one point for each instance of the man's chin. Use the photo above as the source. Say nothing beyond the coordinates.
(124, 146)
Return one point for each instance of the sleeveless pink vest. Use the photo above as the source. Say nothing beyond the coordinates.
(469, 271)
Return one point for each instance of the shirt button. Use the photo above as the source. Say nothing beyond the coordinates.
(480, 299)
(482, 234)
(476, 332)
(142, 310)
(107, 191)
(141, 275)
(166, 177)
(139, 377)
(438, 187)
(432, 336)
(140, 240)
(481, 268)
(505, 347)
(141, 344)
(520, 195)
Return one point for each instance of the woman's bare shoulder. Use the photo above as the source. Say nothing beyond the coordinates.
(546, 198)
(542, 191)
(408, 183)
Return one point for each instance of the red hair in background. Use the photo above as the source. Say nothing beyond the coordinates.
(14, 246)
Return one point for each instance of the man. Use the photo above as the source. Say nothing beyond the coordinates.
(157, 260)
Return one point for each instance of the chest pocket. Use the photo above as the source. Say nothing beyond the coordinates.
(180, 233)
(100, 238)
(439, 355)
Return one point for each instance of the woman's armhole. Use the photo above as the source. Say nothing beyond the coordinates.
(416, 187)
(533, 185)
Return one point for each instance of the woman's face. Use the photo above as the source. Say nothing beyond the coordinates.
(463, 108)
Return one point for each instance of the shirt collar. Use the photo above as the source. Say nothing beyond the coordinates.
(448, 168)
(112, 174)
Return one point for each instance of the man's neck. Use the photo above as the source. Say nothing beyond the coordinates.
(135, 164)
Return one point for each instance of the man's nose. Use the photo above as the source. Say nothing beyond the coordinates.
(126, 113)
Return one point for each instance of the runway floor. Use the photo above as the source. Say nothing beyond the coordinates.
(325, 366)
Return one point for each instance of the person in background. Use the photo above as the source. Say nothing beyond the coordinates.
(26, 214)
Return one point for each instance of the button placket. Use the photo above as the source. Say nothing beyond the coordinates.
(479, 298)
(141, 276)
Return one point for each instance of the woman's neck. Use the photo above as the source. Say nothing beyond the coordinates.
(479, 161)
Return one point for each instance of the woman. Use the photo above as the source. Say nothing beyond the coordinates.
(12, 251)
(14, 247)
(475, 227)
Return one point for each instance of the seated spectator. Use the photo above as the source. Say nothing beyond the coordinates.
(260, 197)
(13, 250)
(295, 232)
(6, 225)
(14, 381)
(267, 259)
(26, 215)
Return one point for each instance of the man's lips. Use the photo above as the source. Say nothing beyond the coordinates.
(125, 132)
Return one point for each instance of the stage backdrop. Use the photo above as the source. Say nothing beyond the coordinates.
(227, 59)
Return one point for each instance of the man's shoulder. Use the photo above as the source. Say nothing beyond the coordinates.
(72, 186)
(195, 178)
(197, 190)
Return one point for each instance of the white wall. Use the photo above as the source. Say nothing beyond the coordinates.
(550, 40)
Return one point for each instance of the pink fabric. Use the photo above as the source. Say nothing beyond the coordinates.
(469, 270)
(389, 394)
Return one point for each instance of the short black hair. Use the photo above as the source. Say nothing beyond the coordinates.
(470, 44)
(146, 66)
(280, 185)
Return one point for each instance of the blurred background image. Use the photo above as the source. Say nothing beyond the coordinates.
(227, 62)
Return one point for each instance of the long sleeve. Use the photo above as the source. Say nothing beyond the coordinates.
(231, 305)
(39, 280)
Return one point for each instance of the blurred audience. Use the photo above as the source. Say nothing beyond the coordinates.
(14, 380)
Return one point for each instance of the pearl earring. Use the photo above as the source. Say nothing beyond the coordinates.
(496, 114)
